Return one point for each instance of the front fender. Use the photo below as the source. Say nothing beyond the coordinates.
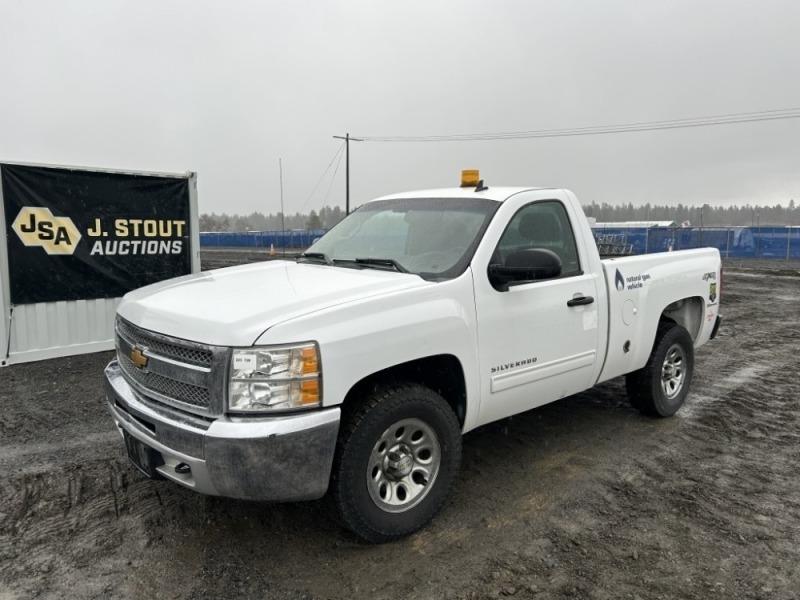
(363, 337)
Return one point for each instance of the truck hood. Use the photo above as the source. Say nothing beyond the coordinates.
(234, 306)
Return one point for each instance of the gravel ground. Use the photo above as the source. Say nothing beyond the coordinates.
(583, 498)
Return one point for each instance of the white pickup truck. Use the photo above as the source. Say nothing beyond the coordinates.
(355, 369)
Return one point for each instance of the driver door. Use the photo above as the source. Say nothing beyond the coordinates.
(533, 347)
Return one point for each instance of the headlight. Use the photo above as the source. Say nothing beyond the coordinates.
(274, 378)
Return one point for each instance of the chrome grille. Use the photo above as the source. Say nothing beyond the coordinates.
(172, 371)
(184, 392)
(176, 351)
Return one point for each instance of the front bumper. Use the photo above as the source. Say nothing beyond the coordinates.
(280, 458)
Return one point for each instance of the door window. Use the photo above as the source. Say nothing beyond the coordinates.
(541, 225)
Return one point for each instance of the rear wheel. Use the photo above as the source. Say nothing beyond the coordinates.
(396, 459)
(660, 388)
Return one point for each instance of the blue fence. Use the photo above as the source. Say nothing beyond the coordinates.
(260, 239)
(732, 242)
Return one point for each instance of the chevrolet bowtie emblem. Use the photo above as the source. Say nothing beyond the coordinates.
(138, 358)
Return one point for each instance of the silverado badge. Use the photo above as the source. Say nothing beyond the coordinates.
(138, 358)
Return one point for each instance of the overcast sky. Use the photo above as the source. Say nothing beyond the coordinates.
(227, 89)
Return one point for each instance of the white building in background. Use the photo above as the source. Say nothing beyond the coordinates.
(633, 224)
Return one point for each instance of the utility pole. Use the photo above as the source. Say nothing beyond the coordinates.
(283, 214)
(347, 139)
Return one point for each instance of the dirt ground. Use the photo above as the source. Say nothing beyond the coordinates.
(583, 498)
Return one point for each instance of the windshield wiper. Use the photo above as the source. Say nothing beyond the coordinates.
(382, 262)
(316, 257)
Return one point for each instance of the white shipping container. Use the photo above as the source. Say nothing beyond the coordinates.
(32, 331)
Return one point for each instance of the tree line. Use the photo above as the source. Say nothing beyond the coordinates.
(697, 216)
(326, 218)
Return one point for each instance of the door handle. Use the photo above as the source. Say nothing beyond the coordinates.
(580, 301)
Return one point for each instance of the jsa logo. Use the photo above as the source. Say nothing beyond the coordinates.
(38, 227)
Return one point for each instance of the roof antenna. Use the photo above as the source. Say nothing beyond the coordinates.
(480, 187)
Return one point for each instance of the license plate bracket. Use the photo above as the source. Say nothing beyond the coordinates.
(143, 457)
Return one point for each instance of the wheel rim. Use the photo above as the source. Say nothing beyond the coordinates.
(673, 371)
(403, 465)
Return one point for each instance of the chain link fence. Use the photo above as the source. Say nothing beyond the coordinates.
(260, 239)
(732, 242)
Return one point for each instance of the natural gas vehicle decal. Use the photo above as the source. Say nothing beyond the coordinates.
(633, 282)
(37, 226)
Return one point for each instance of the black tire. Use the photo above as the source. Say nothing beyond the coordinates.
(660, 388)
(396, 458)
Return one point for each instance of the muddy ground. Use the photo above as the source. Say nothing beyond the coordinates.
(583, 498)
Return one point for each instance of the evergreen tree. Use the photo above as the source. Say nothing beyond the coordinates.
(313, 222)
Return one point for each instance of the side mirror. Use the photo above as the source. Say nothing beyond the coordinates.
(524, 266)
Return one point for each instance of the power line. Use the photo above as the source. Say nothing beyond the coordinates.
(333, 177)
(338, 153)
(748, 117)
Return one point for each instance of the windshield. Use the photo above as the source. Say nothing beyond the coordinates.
(430, 237)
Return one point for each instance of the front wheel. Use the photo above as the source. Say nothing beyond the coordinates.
(396, 459)
(660, 388)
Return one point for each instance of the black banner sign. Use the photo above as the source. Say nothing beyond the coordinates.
(83, 234)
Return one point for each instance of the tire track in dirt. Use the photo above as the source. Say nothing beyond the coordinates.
(21, 458)
(78, 518)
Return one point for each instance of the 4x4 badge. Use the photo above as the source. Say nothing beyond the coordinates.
(138, 358)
